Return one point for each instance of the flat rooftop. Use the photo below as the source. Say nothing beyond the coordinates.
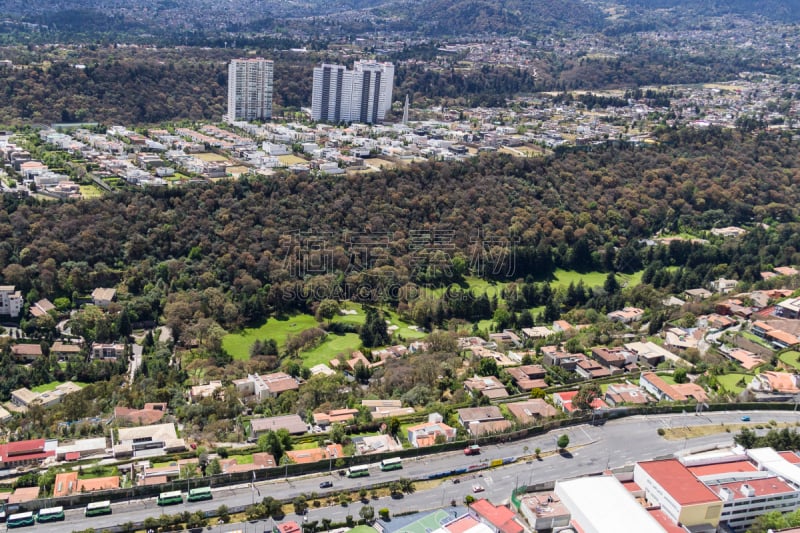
(679, 482)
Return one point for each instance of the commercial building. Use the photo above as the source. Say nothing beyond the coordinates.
(361, 95)
(250, 89)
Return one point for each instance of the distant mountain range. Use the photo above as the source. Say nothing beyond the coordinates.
(433, 18)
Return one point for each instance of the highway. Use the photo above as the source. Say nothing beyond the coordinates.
(592, 449)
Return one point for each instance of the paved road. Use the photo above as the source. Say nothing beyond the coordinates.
(594, 448)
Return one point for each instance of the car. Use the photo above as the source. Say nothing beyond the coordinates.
(326, 484)
(456, 481)
(477, 488)
(745, 418)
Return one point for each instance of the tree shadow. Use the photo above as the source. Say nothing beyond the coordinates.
(565, 454)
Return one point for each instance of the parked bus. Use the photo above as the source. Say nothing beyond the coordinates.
(358, 471)
(395, 463)
(98, 508)
(170, 498)
(20, 520)
(51, 514)
(201, 493)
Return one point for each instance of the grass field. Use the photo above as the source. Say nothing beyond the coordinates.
(667, 379)
(238, 170)
(729, 381)
(238, 344)
(790, 358)
(330, 348)
(209, 157)
(693, 432)
(291, 159)
(91, 191)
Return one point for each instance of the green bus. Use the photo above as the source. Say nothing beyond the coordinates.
(358, 471)
(20, 520)
(200, 493)
(51, 514)
(395, 463)
(98, 508)
(170, 498)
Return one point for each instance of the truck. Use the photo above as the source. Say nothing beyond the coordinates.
(472, 450)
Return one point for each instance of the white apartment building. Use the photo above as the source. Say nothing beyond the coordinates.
(361, 95)
(250, 89)
(10, 301)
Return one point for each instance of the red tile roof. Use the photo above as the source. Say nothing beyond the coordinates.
(499, 516)
(763, 487)
(665, 521)
(463, 524)
(790, 456)
(679, 482)
(722, 468)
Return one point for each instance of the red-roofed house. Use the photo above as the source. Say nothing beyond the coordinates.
(564, 401)
(682, 497)
(660, 388)
(425, 434)
(500, 518)
(312, 455)
(152, 413)
(780, 382)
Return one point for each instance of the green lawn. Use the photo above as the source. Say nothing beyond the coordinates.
(46, 387)
(238, 344)
(790, 358)
(242, 459)
(729, 381)
(332, 346)
(756, 339)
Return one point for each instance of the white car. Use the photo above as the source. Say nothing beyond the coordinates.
(477, 488)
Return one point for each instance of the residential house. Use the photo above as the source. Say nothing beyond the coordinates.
(108, 352)
(476, 415)
(734, 307)
(626, 315)
(291, 423)
(786, 271)
(486, 353)
(776, 382)
(426, 434)
(789, 308)
(682, 339)
(591, 369)
(747, 359)
(103, 297)
(716, 321)
(24, 398)
(380, 409)
(506, 337)
(528, 377)
(697, 295)
(64, 351)
(560, 326)
(289, 527)
(617, 357)
(150, 414)
(651, 353)
(625, 394)
(724, 286)
(335, 416)
(312, 455)
(564, 400)
(691, 390)
(554, 356)
(659, 388)
(11, 301)
(499, 518)
(26, 352)
(531, 411)
(489, 386)
(42, 307)
(537, 332)
(67, 484)
(198, 392)
(256, 388)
